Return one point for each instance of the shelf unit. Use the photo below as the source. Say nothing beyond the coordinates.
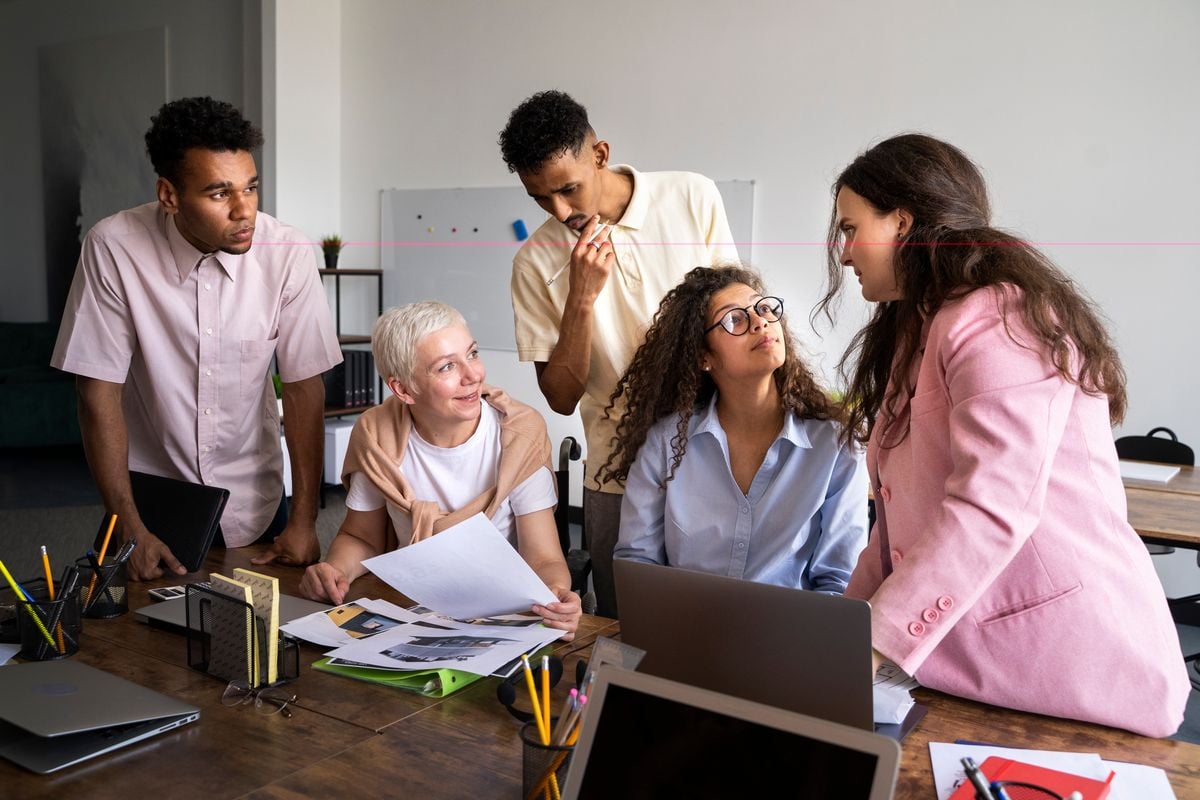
(343, 338)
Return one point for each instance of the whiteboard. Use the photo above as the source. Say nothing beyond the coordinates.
(457, 246)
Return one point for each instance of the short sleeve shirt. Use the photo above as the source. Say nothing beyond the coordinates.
(675, 221)
(191, 336)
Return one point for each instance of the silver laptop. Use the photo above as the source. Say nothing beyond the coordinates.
(647, 737)
(801, 651)
(59, 713)
(172, 614)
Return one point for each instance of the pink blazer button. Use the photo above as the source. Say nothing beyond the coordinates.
(916, 628)
(885, 493)
(930, 615)
(945, 602)
(897, 556)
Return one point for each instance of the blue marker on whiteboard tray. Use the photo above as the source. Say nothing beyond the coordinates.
(520, 230)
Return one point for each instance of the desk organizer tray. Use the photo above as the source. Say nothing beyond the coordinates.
(226, 640)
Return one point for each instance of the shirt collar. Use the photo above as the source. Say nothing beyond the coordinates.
(706, 421)
(187, 257)
(639, 203)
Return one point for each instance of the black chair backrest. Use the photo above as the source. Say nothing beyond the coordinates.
(1156, 448)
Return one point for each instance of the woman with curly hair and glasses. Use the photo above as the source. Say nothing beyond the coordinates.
(729, 450)
(1001, 567)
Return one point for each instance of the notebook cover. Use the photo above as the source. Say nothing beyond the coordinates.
(265, 591)
(448, 681)
(184, 515)
(996, 768)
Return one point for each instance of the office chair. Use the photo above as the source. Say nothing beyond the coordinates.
(579, 561)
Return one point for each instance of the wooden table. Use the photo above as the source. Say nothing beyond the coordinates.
(1186, 482)
(353, 738)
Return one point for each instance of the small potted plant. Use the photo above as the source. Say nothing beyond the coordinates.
(331, 245)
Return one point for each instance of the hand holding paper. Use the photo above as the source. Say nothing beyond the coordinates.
(466, 571)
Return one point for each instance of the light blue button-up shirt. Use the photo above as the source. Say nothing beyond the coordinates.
(802, 524)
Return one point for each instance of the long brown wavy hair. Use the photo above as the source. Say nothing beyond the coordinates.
(950, 250)
(665, 378)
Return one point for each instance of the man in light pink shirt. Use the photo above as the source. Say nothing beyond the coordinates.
(170, 327)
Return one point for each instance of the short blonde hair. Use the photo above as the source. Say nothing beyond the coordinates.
(396, 335)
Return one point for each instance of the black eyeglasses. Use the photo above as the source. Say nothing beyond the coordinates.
(266, 701)
(736, 321)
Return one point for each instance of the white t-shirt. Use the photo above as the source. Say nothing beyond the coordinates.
(454, 476)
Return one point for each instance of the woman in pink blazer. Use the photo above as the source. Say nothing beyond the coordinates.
(1001, 567)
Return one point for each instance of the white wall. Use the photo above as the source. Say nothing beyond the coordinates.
(204, 56)
(1084, 115)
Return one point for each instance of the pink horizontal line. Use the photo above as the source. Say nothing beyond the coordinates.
(571, 245)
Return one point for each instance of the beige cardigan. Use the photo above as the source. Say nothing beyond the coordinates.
(379, 442)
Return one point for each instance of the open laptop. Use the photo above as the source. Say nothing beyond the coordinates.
(802, 651)
(647, 737)
(172, 614)
(59, 713)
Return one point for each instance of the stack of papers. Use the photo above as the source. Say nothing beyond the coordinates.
(379, 635)
(1133, 781)
(482, 591)
(890, 691)
(1144, 471)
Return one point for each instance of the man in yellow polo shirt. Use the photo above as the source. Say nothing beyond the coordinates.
(588, 281)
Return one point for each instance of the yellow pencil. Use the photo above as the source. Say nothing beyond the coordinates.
(21, 595)
(112, 523)
(546, 694)
(62, 647)
(49, 574)
(533, 698)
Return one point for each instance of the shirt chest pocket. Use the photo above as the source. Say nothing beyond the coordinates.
(255, 360)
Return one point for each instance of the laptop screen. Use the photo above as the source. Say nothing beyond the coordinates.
(644, 742)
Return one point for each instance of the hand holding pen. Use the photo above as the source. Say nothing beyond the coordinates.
(591, 261)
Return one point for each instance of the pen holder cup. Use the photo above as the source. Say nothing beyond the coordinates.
(540, 761)
(9, 632)
(49, 629)
(103, 591)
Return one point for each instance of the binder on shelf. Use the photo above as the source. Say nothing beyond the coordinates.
(227, 640)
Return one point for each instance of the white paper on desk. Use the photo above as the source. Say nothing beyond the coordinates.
(1138, 782)
(7, 651)
(948, 772)
(478, 649)
(890, 690)
(466, 571)
(319, 627)
(1141, 471)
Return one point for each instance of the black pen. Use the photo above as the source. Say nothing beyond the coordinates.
(977, 778)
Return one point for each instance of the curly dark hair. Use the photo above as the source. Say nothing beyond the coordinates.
(196, 122)
(665, 378)
(543, 127)
(951, 250)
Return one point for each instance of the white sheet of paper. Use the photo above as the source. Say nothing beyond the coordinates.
(1142, 471)
(7, 651)
(466, 571)
(890, 691)
(475, 648)
(1133, 781)
(318, 628)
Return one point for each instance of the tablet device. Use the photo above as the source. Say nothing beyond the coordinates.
(184, 515)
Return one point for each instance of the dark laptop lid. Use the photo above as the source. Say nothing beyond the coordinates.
(797, 650)
(184, 515)
(645, 736)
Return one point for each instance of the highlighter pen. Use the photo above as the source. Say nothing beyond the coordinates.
(561, 269)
